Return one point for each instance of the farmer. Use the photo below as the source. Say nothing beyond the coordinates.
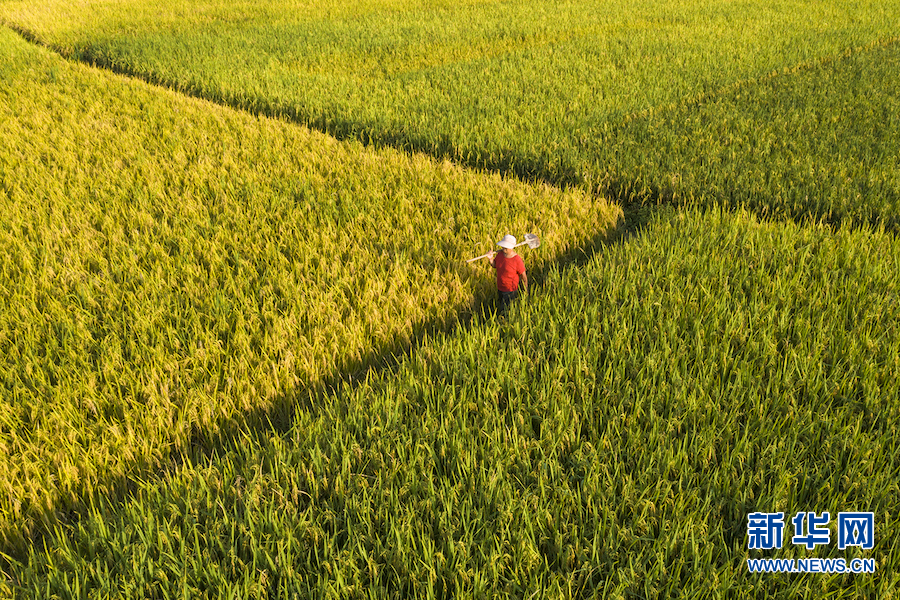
(510, 272)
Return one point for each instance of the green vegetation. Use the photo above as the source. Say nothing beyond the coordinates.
(820, 143)
(168, 264)
(242, 359)
(542, 87)
(609, 440)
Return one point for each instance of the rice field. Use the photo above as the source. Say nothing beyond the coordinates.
(241, 354)
(168, 264)
(573, 451)
(820, 144)
(537, 87)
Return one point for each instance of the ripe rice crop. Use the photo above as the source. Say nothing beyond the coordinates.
(174, 275)
(608, 441)
(540, 87)
(167, 265)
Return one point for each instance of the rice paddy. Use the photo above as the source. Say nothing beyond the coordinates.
(535, 87)
(241, 354)
(551, 454)
(168, 264)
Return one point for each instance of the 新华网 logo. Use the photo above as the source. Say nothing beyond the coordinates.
(766, 531)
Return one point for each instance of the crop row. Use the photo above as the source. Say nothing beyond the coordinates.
(609, 440)
(167, 265)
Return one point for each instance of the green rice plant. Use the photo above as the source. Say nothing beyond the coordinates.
(567, 92)
(167, 265)
(608, 440)
(169, 269)
(822, 143)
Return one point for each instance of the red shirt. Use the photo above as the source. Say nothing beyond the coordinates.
(508, 271)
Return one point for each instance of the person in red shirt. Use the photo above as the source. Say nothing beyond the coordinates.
(510, 273)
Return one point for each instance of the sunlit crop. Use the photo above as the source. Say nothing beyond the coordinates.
(600, 93)
(609, 440)
(167, 265)
(242, 355)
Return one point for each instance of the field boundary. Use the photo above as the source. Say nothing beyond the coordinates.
(344, 130)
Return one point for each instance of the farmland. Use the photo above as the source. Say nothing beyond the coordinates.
(242, 355)
(552, 453)
(167, 262)
(540, 88)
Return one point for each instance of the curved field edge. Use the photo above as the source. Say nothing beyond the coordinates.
(167, 264)
(766, 105)
(609, 440)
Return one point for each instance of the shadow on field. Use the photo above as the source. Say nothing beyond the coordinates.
(279, 416)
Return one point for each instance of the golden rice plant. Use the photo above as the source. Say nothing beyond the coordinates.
(536, 88)
(609, 439)
(169, 265)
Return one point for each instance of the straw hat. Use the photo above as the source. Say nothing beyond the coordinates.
(508, 241)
